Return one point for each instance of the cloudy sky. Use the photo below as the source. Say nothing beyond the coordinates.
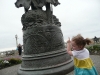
(76, 16)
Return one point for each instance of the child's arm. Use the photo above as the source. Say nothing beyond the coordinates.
(69, 47)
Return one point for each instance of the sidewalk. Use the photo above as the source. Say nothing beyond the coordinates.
(13, 70)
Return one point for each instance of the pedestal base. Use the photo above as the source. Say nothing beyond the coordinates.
(61, 70)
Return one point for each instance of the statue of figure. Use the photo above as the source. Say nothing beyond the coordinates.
(43, 44)
(49, 10)
(38, 4)
(26, 4)
(96, 39)
(35, 4)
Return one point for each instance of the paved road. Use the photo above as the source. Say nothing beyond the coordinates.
(13, 70)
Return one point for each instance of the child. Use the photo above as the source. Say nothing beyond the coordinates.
(82, 62)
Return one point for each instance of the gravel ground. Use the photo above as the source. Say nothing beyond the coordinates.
(13, 70)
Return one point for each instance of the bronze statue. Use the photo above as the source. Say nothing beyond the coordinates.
(38, 4)
(35, 4)
(43, 44)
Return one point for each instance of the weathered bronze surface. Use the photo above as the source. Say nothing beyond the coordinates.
(43, 43)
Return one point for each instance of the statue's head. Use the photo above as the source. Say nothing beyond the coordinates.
(19, 3)
(23, 3)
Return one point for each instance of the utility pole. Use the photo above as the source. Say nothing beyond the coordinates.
(16, 37)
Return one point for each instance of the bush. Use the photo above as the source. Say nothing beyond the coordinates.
(10, 62)
(4, 63)
(14, 61)
(94, 49)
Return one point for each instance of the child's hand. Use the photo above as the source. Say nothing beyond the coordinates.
(68, 41)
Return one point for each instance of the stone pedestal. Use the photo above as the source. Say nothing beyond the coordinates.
(44, 52)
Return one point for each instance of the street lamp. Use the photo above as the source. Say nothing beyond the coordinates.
(16, 37)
